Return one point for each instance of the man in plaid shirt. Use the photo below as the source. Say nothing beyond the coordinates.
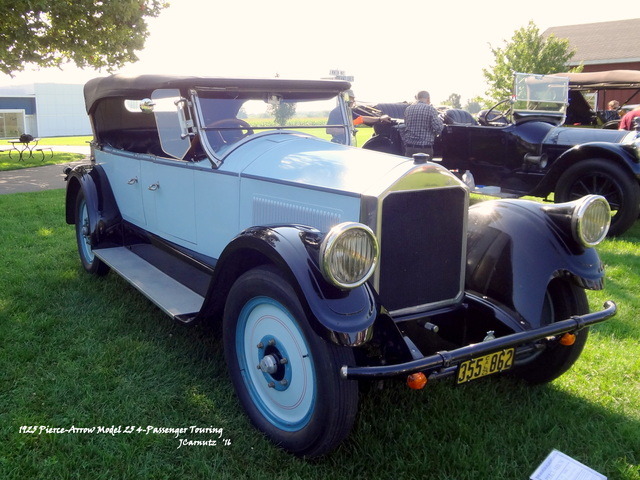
(422, 125)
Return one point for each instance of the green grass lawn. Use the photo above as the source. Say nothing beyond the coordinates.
(13, 163)
(37, 160)
(81, 351)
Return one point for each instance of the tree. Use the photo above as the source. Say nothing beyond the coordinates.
(474, 105)
(453, 101)
(282, 112)
(527, 52)
(89, 33)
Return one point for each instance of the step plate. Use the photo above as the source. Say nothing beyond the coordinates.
(171, 296)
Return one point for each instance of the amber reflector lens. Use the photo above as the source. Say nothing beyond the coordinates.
(417, 381)
(567, 339)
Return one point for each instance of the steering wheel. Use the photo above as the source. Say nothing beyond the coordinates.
(499, 115)
(236, 134)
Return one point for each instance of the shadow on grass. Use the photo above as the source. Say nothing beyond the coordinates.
(14, 163)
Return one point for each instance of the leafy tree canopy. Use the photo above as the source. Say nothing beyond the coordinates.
(527, 52)
(282, 112)
(474, 105)
(89, 33)
(453, 101)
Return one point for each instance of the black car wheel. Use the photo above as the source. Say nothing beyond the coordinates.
(90, 262)
(562, 300)
(601, 177)
(285, 375)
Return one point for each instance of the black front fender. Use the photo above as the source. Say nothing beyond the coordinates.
(514, 250)
(342, 316)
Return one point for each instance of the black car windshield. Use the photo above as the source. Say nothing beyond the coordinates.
(540, 93)
(228, 119)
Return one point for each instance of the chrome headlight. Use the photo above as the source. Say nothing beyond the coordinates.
(349, 255)
(591, 220)
(588, 218)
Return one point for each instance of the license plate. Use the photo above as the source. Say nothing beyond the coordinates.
(486, 365)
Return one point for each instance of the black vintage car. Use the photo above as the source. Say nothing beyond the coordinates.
(589, 93)
(521, 146)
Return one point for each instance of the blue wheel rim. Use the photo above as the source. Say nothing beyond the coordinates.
(83, 235)
(285, 397)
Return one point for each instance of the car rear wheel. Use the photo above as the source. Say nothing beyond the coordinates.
(562, 300)
(285, 375)
(90, 262)
(601, 177)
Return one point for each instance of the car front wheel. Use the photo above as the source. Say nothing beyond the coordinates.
(601, 177)
(562, 300)
(285, 375)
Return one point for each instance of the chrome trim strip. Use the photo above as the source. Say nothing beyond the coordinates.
(301, 185)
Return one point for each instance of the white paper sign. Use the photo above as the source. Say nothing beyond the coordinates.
(558, 466)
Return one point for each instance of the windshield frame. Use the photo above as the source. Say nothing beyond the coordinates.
(341, 120)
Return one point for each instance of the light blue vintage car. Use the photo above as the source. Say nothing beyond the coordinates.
(241, 201)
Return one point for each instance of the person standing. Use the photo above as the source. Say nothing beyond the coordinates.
(422, 125)
(627, 121)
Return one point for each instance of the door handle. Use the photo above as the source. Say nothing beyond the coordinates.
(133, 181)
(154, 186)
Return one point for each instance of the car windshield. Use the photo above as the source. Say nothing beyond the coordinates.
(227, 121)
(540, 93)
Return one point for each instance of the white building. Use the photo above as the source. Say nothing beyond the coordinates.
(43, 110)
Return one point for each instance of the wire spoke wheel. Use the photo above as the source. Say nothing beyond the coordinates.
(602, 177)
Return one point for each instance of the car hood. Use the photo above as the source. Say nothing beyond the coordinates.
(574, 135)
(298, 159)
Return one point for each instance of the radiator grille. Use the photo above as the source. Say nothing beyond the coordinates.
(422, 243)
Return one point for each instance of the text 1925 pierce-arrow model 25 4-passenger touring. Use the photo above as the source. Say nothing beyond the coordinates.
(222, 199)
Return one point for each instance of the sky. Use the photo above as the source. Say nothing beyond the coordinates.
(393, 49)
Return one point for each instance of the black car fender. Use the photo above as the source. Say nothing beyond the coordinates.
(101, 205)
(617, 153)
(344, 317)
(514, 249)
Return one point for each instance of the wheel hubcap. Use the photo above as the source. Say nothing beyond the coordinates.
(275, 363)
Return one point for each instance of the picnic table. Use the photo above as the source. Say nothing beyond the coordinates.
(23, 145)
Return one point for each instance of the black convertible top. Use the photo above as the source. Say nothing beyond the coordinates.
(141, 86)
(610, 80)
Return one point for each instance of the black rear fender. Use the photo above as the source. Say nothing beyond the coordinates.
(616, 154)
(102, 208)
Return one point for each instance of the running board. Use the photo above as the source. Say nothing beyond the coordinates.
(175, 299)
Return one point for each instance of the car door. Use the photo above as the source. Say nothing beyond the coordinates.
(167, 183)
(169, 199)
(487, 154)
(123, 172)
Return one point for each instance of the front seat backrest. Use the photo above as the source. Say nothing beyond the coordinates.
(455, 116)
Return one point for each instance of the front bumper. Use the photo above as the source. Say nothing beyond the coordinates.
(445, 363)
